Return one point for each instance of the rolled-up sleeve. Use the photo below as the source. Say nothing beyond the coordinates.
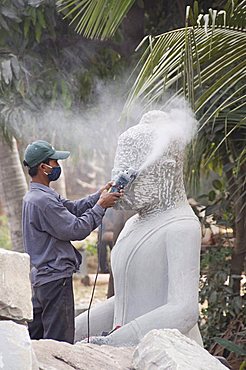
(78, 207)
(60, 223)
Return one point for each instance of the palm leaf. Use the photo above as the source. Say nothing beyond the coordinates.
(207, 65)
(231, 346)
(95, 18)
(217, 68)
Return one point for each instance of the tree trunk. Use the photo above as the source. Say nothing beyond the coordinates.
(239, 251)
(238, 197)
(13, 186)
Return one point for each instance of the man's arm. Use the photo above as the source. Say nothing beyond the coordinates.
(78, 207)
(59, 222)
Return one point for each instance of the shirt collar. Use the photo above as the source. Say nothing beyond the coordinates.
(37, 185)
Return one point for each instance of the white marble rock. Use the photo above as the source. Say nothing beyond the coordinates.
(15, 287)
(53, 355)
(16, 347)
(168, 349)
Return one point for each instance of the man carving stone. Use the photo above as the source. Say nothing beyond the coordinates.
(162, 240)
(49, 223)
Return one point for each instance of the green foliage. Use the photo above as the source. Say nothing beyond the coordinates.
(226, 17)
(219, 304)
(106, 65)
(43, 63)
(23, 23)
(29, 70)
(91, 248)
(5, 240)
(243, 366)
(222, 310)
(218, 205)
(21, 27)
(230, 346)
(164, 16)
(207, 66)
(95, 18)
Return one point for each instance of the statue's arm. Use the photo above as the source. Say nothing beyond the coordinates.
(101, 319)
(181, 310)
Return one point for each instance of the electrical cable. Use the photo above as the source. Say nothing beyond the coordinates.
(95, 281)
(124, 178)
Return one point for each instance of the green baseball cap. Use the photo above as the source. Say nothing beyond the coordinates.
(40, 150)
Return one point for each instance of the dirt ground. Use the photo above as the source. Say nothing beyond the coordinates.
(82, 292)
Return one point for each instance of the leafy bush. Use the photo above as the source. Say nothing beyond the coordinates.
(219, 304)
(222, 313)
(91, 248)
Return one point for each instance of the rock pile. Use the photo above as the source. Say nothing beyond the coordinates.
(53, 355)
(15, 309)
(15, 288)
(168, 349)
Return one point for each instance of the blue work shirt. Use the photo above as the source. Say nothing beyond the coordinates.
(49, 223)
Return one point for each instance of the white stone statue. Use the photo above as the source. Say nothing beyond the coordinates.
(155, 261)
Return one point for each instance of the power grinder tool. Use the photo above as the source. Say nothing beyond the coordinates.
(123, 179)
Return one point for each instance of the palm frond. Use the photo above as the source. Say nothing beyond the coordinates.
(207, 65)
(217, 69)
(97, 19)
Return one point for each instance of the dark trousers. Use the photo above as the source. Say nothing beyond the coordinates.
(53, 311)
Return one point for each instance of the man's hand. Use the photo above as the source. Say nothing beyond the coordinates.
(106, 187)
(107, 200)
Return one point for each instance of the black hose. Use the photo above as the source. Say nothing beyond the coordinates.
(94, 285)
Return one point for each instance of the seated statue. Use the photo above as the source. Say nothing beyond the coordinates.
(155, 261)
